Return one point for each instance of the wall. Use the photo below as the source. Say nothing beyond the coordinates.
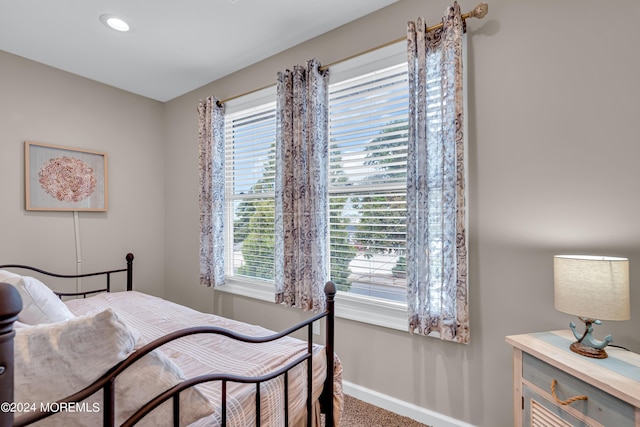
(553, 152)
(45, 105)
(553, 93)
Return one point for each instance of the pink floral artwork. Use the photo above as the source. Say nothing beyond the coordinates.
(67, 179)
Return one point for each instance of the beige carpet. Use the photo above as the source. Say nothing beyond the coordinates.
(357, 413)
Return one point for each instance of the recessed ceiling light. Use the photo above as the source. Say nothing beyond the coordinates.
(114, 22)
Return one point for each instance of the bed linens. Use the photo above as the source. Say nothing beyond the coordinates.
(39, 303)
(53, 360)
(202, 354)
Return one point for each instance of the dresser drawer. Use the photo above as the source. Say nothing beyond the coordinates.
(599, 406)
(539, 411)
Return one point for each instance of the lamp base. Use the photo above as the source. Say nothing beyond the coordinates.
(586, 344)
(596, 353)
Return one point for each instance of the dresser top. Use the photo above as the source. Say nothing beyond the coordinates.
(618, 374)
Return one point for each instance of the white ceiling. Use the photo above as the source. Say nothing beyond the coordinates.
(175, 45)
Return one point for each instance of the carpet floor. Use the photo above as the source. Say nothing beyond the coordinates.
(357, 413)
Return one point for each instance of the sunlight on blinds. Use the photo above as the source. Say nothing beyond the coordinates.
(368, 122)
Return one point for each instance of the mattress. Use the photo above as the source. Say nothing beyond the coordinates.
(196, 355)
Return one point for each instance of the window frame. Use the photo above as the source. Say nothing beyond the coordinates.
(360, 308)
(385, 313)
(259, 102)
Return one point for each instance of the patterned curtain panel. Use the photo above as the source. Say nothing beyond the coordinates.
(211, 168)
(301, 187)
(436, 207)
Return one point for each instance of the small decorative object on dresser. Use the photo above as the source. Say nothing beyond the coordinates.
(594, 288)
(555, 387)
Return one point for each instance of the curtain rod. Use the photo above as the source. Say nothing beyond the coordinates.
(480, 11)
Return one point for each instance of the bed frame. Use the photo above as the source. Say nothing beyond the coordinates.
(11, 305)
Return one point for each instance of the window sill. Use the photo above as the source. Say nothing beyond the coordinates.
(358, 308)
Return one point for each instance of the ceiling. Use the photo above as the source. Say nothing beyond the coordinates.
(175, 46)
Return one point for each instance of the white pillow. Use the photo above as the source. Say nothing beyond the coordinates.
(147, 378)
(10, 277)
(55, 360)
(39, 303)
(18, 324)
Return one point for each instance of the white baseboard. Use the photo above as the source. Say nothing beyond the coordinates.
(401, 407)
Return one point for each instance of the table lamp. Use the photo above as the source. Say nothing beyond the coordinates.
(594, 288)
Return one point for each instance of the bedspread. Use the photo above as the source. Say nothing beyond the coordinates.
(200, 354)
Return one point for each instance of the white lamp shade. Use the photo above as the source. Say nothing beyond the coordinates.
(595, 287)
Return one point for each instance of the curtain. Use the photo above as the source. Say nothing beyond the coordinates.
(301, 207)
(211, 169)
(436, 206)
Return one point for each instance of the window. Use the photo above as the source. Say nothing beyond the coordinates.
(249, 194)
(368, 120)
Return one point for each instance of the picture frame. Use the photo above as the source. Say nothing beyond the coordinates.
(61, 178)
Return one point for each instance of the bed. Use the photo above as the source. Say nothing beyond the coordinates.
(127, 358)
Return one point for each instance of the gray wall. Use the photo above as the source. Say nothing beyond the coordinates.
(553, 153)
(45, 105)
(553, 92)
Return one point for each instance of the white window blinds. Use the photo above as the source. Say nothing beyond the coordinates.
(249, 177)
(368, 122)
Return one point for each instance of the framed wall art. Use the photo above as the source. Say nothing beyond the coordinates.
(64, 179)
